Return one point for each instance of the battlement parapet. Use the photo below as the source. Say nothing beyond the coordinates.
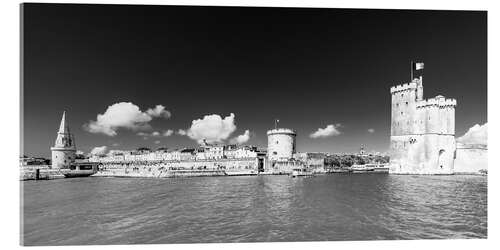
(281, 131)
(404, 87)
(438, 101)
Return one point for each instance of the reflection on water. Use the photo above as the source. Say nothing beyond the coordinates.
(247, 209)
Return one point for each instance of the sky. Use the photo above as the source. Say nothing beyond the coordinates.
(225, 74)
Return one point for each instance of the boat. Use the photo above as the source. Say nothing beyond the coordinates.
(380, 168)
(296, 172)
(360, 169)
(369, 168)
(80, 169)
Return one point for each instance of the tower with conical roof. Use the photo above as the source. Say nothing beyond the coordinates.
(64, 150)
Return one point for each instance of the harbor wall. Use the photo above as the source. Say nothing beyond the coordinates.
(39, 172)
(163, 169)
(471, 159)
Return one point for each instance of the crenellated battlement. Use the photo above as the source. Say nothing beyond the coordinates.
(404, 87)
(281, 131)
(438, 101)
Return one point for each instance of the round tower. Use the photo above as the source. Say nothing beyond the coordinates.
(280, 143)
(64, 150)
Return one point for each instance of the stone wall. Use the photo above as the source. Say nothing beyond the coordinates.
(422, 154)
(471, 159)
(179, 168)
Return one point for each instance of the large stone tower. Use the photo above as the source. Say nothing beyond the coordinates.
(280, 144)
(64, 150)
(422, 131)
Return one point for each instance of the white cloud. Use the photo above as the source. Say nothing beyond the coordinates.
(124, 115)
(330, 130)
(182, 132)
(371, 130)
(211, 128)
(159, 111)
(168, 133)
(240, 139)
(157, 142)
(478, 134)
(99, 150)
(115, 144)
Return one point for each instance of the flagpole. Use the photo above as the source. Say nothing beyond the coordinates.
(411, 70)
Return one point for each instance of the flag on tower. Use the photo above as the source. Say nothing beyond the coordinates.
(418, 66)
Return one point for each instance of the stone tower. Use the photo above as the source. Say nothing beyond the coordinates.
(422, 131)
(280, 144)
(64, 150)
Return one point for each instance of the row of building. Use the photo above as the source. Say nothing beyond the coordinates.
(205, 153)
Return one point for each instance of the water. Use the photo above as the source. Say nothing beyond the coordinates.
(254, 208)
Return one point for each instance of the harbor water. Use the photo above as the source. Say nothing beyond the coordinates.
(101, 210)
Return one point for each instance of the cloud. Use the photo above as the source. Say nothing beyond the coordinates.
(157, 142)
(99, 150)
(182, 132)
(330, 130)
(478, 134)
(211, 128)
(371, 130)
(240, 139)
(168, 133)
(124, 115)
(159, 111)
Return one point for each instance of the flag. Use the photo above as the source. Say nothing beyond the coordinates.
(418, 66)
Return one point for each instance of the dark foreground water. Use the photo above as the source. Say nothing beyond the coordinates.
(255, 208)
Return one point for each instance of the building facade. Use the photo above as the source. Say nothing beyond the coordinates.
(422, 131)
(64, 150)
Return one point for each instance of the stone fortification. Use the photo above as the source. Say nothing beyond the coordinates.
(281, 144)
(64, 150)
(422, 131)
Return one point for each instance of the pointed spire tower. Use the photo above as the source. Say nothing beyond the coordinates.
(64, 150)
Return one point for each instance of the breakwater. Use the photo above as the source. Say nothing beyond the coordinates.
(39, 172)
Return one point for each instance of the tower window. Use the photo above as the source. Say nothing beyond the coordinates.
(406, 103)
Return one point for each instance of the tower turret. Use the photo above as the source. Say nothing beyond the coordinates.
(64, 150)
(420, 90)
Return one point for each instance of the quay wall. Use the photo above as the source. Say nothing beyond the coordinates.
(471, 159)
(164, 169)
(44, 173)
